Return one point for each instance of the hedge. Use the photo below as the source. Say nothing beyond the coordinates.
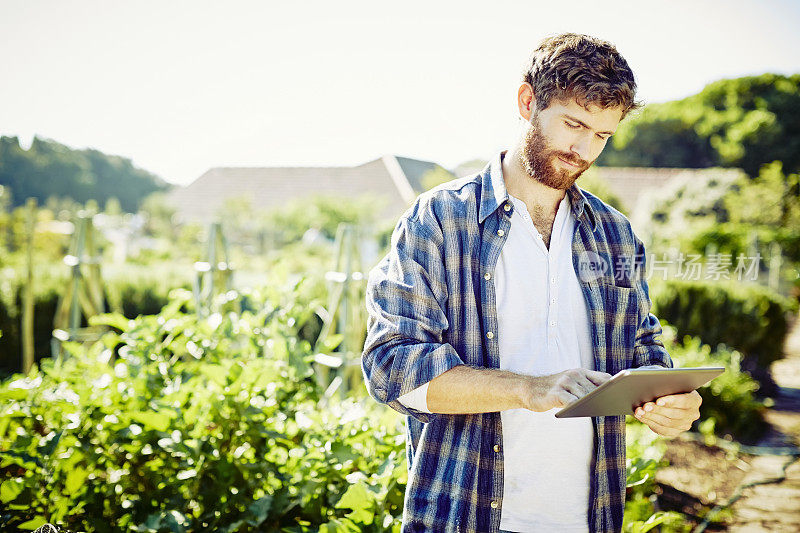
(747, 317)
(136, 297)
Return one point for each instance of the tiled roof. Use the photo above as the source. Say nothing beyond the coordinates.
(398, 180)
(271, 187)
(629, 183)
(415, 171)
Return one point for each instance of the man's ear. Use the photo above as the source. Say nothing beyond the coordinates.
(526, 100)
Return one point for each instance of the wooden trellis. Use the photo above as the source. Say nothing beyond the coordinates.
(27, 294)
(214, 276)
(84, 297)
(345, 315)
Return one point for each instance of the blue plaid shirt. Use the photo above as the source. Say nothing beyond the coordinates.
(430, 309)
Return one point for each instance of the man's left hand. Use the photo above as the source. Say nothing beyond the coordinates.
(670, 415)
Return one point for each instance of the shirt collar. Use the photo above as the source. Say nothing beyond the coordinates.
(493, 188)
(494, 194)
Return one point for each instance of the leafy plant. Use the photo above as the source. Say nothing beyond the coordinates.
(644, 456)
(176, 423)
(730, 407)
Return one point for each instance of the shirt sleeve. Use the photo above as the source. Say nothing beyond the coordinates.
(649, 348)
(406, 300)
(416, 399)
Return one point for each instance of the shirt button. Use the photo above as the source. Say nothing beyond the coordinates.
(552, 300)
(494, 504)
(496, 448)
(507, 207)
(489, 335)
(501, 232)
(487, 276)
(553, 280)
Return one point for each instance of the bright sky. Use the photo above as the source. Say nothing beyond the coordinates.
(180, 87)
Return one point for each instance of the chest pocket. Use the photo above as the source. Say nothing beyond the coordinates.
(621, 316)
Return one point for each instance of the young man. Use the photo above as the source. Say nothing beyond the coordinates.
(484, 318)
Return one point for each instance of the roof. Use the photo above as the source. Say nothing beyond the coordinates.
(397, 180)
(415, 171)
(630, 183)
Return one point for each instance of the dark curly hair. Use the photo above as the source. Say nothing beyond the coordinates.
(586, 68)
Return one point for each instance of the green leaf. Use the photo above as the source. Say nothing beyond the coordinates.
(115, 320)
(10, 489)
(339, 526)
(158, 420)
(360, 500)
(215, 373)
(34, 523)
(331, 342)
(13, 394)
(650, 523)
(75, 479)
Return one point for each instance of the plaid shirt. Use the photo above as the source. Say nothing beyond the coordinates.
(430, 309)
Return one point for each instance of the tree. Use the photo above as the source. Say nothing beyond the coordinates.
(49, 169)
(745, 123)
(771, 199)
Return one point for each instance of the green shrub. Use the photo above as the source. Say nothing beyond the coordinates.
(747, 317)
(730, 407)
(175, 423)
(197, 425)
(644, 456)
(135, 296)
(735, 239)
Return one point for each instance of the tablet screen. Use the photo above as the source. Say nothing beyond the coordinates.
(630, 388)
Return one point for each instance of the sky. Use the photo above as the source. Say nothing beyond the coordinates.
(180, 87)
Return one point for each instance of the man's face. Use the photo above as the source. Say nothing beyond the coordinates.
(564, 140)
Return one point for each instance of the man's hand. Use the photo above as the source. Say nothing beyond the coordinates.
(558, 390)
(670, 415)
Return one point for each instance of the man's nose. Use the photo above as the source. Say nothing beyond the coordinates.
(580, 147)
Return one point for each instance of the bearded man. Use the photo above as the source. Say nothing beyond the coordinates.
(484, 320)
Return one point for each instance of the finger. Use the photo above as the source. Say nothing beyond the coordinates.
(597, 378)
(678, 424)
(688, 400)
(646, 408)
(585, 384)
(588, 384)
(661, 429)
(670, 412)
(564, 398)
(674, 423)
(667, 412)
(577, 388)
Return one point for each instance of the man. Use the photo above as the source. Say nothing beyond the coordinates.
(505, 296)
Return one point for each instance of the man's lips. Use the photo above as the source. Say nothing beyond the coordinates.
(570, 163)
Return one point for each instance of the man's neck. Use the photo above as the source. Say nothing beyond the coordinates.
(520, 185)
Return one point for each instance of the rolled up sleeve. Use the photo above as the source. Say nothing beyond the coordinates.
(406, 300)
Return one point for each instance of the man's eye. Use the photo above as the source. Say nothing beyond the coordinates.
(573, 126)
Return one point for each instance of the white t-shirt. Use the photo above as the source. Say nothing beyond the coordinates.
(543, 328)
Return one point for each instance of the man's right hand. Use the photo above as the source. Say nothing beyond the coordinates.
(559, 390)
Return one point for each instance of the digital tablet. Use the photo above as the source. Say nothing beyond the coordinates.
(628, 389)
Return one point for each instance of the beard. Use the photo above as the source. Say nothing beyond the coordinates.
(540, 161)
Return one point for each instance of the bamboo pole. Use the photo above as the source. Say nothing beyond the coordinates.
(27, 295)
